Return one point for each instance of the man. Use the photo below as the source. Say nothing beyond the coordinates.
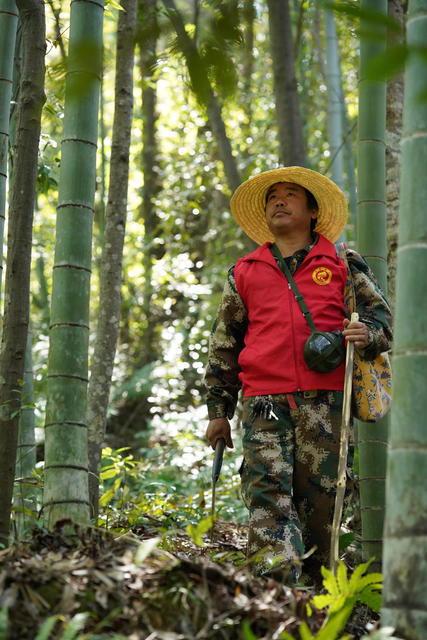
(291, 413)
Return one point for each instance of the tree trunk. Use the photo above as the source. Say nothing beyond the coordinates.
(112, 254)
(66, 450)
(249, 15)
(291, 142)
(405, 539)
(215, 120)
(56, 12)
(17, 284)
(393, 158)
(147, 41)
(372, 245)
(8, 23)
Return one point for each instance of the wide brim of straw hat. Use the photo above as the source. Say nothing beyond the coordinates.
(248, 202)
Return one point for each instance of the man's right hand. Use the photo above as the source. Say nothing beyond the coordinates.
(219, 428)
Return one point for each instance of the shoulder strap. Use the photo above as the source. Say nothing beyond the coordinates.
(292, 284)
(349, 292)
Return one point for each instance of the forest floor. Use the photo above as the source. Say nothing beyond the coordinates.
(148, 585)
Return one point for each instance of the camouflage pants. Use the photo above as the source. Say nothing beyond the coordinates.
(289, 477)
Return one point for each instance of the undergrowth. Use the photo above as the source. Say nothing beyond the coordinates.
(168, 481)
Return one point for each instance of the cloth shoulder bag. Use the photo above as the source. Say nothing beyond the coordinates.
(372, 379)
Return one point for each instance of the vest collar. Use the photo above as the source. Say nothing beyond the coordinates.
(322, 247)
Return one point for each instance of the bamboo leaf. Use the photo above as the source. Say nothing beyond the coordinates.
(371, 16)
(106, 497)
(335, 623)
(305, 632)
(3, 621)
(387, 64)
(346, 539)
(109, 473)
(45, 629)
(196, 533)
(248, 634)
(75, 625)
(144, 550)
(342, 580)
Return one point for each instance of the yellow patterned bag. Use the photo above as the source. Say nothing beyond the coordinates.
(371, 398)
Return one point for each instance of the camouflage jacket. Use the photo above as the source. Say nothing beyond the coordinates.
(228, 332)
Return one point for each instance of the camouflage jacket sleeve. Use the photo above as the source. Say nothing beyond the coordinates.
(226, 341)
(371, 305)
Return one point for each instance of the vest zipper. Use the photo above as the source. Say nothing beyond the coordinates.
(293, 334)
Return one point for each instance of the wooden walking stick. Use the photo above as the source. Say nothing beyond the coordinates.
(342, 462)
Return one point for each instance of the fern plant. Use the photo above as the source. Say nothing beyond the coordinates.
(342, 594)
(360, 587)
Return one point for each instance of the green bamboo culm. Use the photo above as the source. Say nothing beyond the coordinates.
(8, 24)
(333, 78)
(66, 447)
(372, 244)
(405, 536)
(335, 104)
(24, 493)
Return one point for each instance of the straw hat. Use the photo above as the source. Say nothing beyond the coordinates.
(248, 202)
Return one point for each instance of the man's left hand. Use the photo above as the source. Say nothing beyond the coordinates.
(356, 332)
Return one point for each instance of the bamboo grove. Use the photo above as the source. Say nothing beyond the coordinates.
(124, 129)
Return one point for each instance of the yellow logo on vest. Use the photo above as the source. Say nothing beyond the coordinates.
(322, 275)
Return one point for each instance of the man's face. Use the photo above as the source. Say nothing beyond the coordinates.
(286, 209)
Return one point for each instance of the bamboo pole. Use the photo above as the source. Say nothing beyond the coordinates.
(342, 461)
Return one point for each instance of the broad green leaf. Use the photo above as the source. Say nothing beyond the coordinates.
(109, 473)
(371, 598)
(106, 497)
(346, 539)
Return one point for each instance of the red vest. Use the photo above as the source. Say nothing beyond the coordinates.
(272, 359)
